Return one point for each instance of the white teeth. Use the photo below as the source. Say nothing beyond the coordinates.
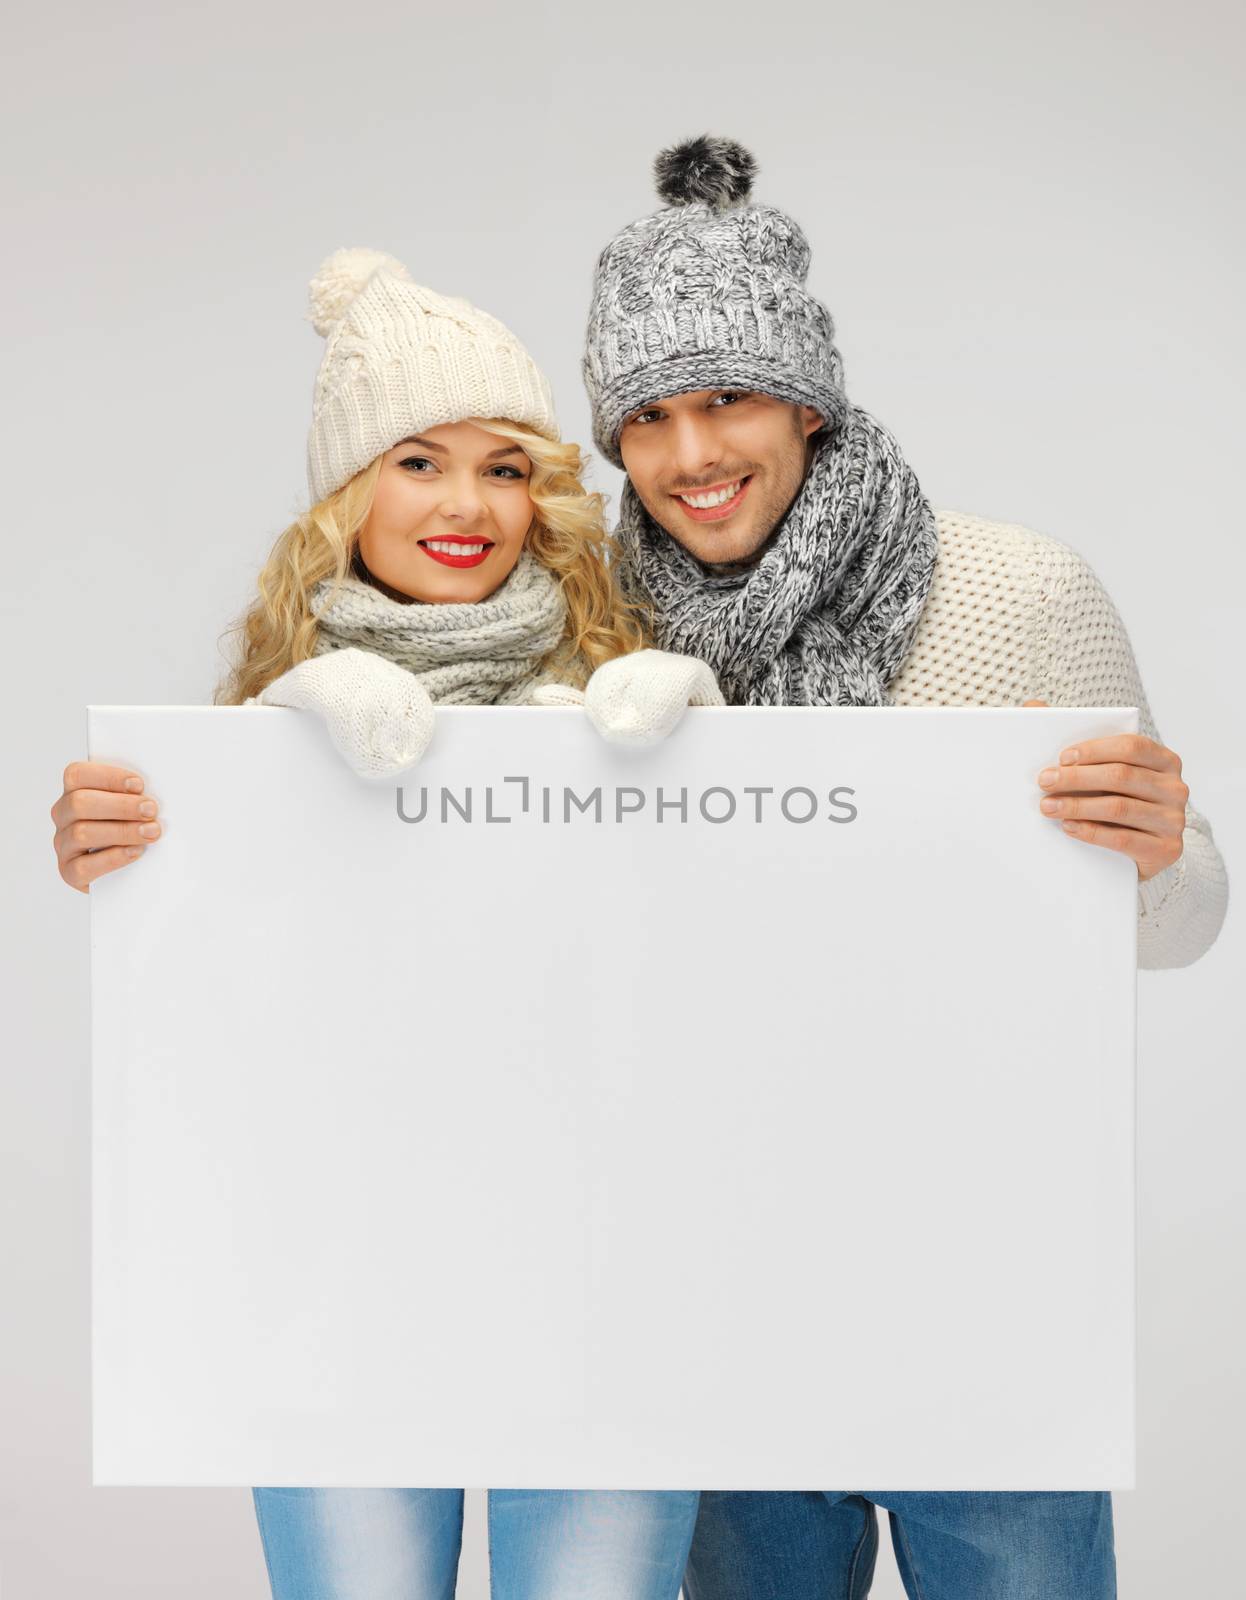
(445, 548)
(716, 497)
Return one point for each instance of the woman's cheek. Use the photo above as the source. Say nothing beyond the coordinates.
(416, 500)
(521, 517)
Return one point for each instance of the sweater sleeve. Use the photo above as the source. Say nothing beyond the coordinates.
(1086, 660)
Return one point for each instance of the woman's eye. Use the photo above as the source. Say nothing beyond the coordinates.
(509, 472)
(416, 461)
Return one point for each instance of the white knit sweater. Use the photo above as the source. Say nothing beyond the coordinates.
(1013, 616)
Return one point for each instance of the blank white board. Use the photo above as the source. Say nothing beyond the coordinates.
(783, 1138)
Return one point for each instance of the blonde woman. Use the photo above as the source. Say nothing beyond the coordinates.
(451, 555)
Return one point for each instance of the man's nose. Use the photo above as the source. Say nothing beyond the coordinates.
(695, 447)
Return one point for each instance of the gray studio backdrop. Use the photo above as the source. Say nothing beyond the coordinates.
(1026, 224)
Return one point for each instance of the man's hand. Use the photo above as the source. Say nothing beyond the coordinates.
(1124, 793)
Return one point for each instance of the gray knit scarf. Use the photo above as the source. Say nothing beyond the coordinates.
(827, 615)
(489, 652)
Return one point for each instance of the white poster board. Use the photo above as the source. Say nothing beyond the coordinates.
(783, 1138)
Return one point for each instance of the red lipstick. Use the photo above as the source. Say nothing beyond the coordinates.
(449, 560)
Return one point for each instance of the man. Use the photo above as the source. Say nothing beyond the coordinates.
(782, 538)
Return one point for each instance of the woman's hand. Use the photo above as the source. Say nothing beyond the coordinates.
(638, 699)
(378, 714)
(103, 821)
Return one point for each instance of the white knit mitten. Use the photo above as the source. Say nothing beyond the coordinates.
(378, 714)
(557, 694)
(637, 699)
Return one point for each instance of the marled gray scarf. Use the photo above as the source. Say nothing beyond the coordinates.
(827, 615)
(489, 652)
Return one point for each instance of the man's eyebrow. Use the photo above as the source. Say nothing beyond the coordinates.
(431, 444)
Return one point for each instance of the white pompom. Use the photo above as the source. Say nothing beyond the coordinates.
(340, 278)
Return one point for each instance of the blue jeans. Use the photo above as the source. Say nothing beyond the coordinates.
(821, 1546)
(403, 1544)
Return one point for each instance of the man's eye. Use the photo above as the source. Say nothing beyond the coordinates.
(644, 416)
(730, 396)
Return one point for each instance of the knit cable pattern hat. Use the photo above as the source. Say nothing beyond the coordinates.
(401, 358)
(708, 293)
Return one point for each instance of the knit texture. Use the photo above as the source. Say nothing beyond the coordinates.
(638, 699)
(1013, 615)
(379, 665)
(707, 293)
(378, 715)
(401, 358)
(486, 652)
(828, 613)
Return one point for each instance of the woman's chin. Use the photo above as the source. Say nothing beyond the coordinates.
(458, 588)
(449, 588)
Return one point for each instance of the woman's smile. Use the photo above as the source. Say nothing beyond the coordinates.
(457, 552)
(450, 515)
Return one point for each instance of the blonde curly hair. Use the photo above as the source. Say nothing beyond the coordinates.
(568, 536)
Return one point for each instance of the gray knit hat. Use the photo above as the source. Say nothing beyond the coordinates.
(708, 293)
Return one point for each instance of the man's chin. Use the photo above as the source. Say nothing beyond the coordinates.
(736, 540)
(720, 547)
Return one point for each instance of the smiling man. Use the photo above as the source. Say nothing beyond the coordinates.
(760, 442)
(781, 537)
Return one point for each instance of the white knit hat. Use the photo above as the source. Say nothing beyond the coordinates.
(401, 358)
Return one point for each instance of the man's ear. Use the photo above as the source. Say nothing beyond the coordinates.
(810, 420)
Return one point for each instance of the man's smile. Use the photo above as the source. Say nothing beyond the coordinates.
(717, 501)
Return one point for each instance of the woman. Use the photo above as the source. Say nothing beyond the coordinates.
(451, 555)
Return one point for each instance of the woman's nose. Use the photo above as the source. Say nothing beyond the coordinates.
(462, 502)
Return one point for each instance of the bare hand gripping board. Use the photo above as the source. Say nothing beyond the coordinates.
(752, 1112)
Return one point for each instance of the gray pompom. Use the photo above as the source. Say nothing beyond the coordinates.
(718, 172)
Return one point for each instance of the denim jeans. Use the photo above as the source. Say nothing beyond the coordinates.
(403, 1544)
(821, 1546)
